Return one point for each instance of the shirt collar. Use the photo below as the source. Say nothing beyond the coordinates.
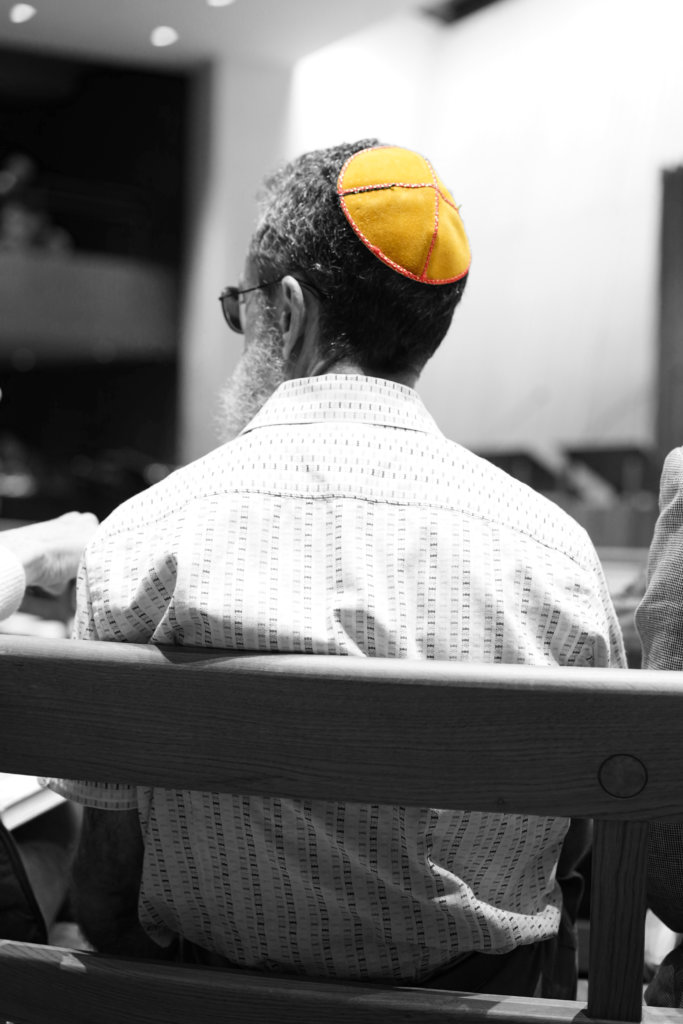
(348, 398)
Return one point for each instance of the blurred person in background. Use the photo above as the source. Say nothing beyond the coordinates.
(659, 620)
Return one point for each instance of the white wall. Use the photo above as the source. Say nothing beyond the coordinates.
(239, 115)
(551, 121)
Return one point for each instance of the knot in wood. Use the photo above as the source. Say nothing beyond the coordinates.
(622, 775)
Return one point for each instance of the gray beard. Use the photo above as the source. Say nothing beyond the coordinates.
(258, 374)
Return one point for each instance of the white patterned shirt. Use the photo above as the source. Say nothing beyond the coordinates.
(341, 521)
(12, 582)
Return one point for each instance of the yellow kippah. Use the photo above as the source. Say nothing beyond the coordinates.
(404, 214)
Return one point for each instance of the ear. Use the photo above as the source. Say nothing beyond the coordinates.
(292, 315)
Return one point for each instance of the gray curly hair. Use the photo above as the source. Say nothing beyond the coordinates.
(383, 321)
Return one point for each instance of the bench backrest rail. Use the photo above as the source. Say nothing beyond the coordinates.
(583, 742)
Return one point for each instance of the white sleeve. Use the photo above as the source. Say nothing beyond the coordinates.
(12, 582)
(107, 796)
(659, 616)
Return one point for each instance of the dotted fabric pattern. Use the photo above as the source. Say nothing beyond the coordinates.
(341, 521)
(12, 583)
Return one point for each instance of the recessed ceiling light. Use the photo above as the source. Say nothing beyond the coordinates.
(21, 12)
(164, 35)
(219, 3)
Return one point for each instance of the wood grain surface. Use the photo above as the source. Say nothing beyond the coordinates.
(421, 733)
(93, 989)
(577, 742)
(617, 931)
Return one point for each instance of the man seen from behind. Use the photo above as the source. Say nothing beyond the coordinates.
(338, 519)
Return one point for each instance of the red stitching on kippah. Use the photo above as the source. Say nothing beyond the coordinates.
(392, 263)
(367, 149)
(341, 192)
(450, 202)
(375, 248)
(437, 193)
(400, 184)
(385, 185)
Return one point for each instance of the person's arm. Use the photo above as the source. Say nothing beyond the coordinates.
(659, 616)
(107, 870)
(659, 621)
(608, 650)
(44, 555)
(12, 583)
(106, 884)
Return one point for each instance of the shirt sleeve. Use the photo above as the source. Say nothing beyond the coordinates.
(609, 650)
(658, 620)
(107, 796)
(659, 615)
(12, 582)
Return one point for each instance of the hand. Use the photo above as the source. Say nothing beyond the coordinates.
(51, 551)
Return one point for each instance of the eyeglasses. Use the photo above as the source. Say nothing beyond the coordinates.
(230, 303)
(230, 300)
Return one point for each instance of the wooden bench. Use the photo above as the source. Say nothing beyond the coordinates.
(574, 742)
